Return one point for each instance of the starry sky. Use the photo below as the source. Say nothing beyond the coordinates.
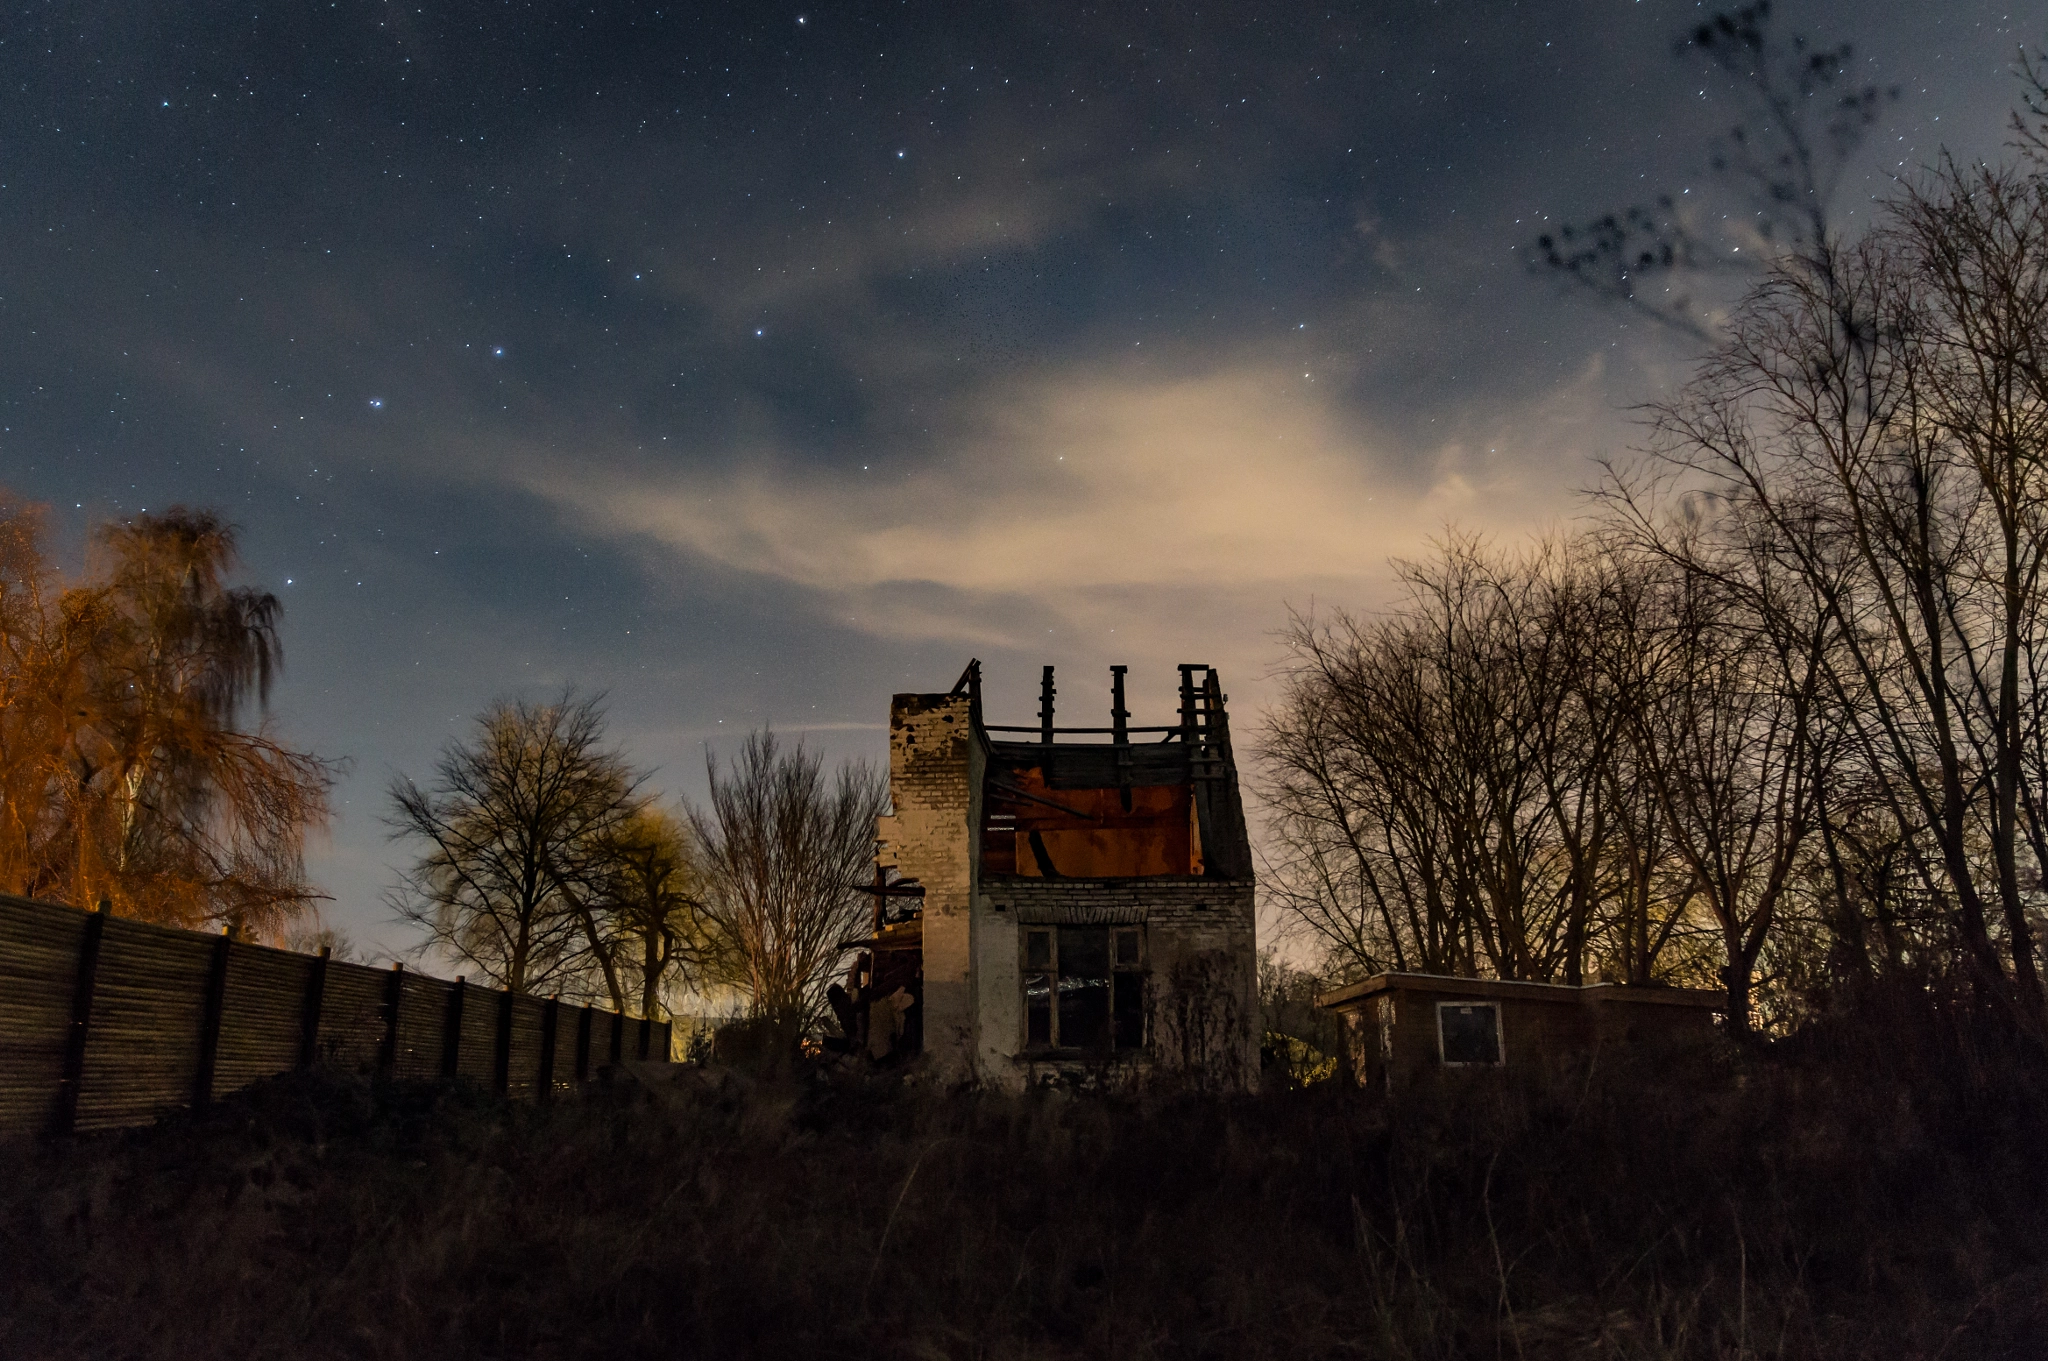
(749, 364)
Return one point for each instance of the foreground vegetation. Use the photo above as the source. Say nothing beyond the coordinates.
(1833, 1197)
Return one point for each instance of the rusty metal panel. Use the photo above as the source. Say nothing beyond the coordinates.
(39, 945)
(1095, 765)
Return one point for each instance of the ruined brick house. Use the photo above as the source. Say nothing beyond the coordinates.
(1056, 902)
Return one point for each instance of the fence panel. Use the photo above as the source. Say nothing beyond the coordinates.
(149, 996)
(39, 947)
(352, 1017)
(525, 1066)
(422, 1025)
(142, 1041)
(479, 1036)
(262, 1015)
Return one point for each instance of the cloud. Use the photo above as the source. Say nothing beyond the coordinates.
(1069, 498)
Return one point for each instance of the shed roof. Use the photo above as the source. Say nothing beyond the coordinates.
(1593, 994)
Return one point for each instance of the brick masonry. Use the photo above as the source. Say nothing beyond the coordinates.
(1200, 933)
(935, 776)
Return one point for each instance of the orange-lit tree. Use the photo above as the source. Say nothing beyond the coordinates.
(129, 772)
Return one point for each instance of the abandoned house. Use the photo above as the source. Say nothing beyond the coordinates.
(1060, 901)
(1397, 1027)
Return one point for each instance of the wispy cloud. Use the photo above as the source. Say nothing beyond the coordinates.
(1070, 496)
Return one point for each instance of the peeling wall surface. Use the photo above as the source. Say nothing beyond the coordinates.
(935, 767)
(1087, 905)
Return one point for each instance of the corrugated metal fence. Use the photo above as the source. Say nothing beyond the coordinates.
(107, 1022)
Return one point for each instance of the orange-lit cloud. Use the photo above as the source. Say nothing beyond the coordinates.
(1084, 500)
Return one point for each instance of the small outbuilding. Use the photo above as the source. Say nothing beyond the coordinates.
(1399, 1026)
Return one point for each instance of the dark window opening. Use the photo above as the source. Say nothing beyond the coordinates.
(1469, 1032)
(1128, 1009)
(1038, 1009)
(1084, 988)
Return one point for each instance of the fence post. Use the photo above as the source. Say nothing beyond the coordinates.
(394, 996)
(209, 1020)
(548, 1020)
(616, 1050)
(583, 1016)
(66, 1115)
(309, 1011)
(451, 1033)
(501, 1060)
(646, 1034)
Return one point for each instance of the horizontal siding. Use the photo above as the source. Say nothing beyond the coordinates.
(262, 1015)
(422, 1024)
(142, 1046)
(604, 1026)
(525, 1066)
(479, 1036)
(39, 946)
(352, 1017)
(144, 1035)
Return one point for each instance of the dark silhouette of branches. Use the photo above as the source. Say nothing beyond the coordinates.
(1782, 162)
(650, 892)
(783, 850)
(517, 828)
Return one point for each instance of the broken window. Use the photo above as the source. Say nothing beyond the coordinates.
(1468, 1033)
(1084, 987)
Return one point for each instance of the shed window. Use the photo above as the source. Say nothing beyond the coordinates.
(1468, 1033)
(1084, 987)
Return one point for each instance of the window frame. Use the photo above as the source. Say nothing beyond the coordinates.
(1500, 1035)
(1050, 931)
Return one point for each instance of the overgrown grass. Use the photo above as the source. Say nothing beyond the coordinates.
(1880, 1196)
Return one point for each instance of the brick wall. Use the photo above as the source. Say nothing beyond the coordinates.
(935, 774)
(1201, 959)
(1202, 963)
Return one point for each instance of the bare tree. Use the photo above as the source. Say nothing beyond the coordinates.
(129, 772)
(1456, 786)
(1876, 425)
(650, 888)
(1436, 773)
(1724, 731)
(784, 849)
(515, 827)
(1803, 120)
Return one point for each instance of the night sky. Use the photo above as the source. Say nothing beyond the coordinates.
(750, 365)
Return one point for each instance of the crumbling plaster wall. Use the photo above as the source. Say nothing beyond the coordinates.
(1201, 961)
(935, 778)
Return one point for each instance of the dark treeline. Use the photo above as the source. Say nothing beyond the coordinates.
(1772, 718)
